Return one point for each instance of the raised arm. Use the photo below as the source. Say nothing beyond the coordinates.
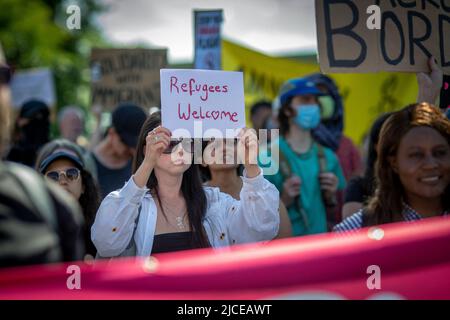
(256, 216)
(430, 84)
(116, 218)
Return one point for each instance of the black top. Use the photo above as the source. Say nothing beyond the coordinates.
(111, 179)
(89, 245)
(170, 242)
(356, 190)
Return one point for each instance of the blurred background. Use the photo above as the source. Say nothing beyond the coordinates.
(270, 40)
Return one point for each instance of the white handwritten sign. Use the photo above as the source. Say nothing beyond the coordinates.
(202, 103)
(33, 84)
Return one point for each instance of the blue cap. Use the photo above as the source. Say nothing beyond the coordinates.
(298, 87)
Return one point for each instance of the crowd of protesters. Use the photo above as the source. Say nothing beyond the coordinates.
(133, 193)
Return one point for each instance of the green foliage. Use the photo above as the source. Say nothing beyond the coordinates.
(34, 34)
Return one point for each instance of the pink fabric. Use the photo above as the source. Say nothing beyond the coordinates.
(414, 259)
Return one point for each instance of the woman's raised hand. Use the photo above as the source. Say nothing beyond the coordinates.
(430, 84)
(248, 145)
(156, 142)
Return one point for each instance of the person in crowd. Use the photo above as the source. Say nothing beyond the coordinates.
(113, 155)
(164, 207)
(71, 123)
(39, 223)
(412, 171)
(260, 113)
(32, 130)
(360, 189)
(61, 161)
(329, 132)
(226, 175)
(309, 174)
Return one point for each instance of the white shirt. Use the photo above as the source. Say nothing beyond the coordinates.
(227, 221)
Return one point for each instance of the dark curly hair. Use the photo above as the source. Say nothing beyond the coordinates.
(386, 204)
(90, 199)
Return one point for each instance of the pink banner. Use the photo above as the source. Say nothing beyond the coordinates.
(397, 261)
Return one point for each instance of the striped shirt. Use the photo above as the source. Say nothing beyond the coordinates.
(355, 221)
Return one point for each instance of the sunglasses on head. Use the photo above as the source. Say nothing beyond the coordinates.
(71, 174)
(5, 74)
(186, 144)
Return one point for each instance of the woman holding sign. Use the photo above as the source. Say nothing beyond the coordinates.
(164, 207)
(226, 173)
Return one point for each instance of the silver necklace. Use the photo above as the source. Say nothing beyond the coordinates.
(179, 218)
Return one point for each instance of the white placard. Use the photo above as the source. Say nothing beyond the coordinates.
(202, 103)
(33, 84)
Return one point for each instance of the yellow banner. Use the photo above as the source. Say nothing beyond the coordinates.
(365, 95)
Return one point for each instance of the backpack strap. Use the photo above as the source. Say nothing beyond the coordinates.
(330, 203)
(286, 172)
(322, 158)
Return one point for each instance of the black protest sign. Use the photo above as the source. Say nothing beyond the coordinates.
(126, 75)
(382, 35)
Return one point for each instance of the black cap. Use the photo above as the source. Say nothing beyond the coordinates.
(34, 109)
(128, 119)
(61, 153)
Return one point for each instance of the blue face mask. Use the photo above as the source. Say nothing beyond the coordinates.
(308, 116)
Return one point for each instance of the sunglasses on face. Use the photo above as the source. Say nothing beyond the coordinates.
(5, 75)
(71, 174)
(186, 144)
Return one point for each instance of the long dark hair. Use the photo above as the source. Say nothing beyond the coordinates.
(283, 118)
(369, 174)
(191, 186)
(90, 199)
(386, 204)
